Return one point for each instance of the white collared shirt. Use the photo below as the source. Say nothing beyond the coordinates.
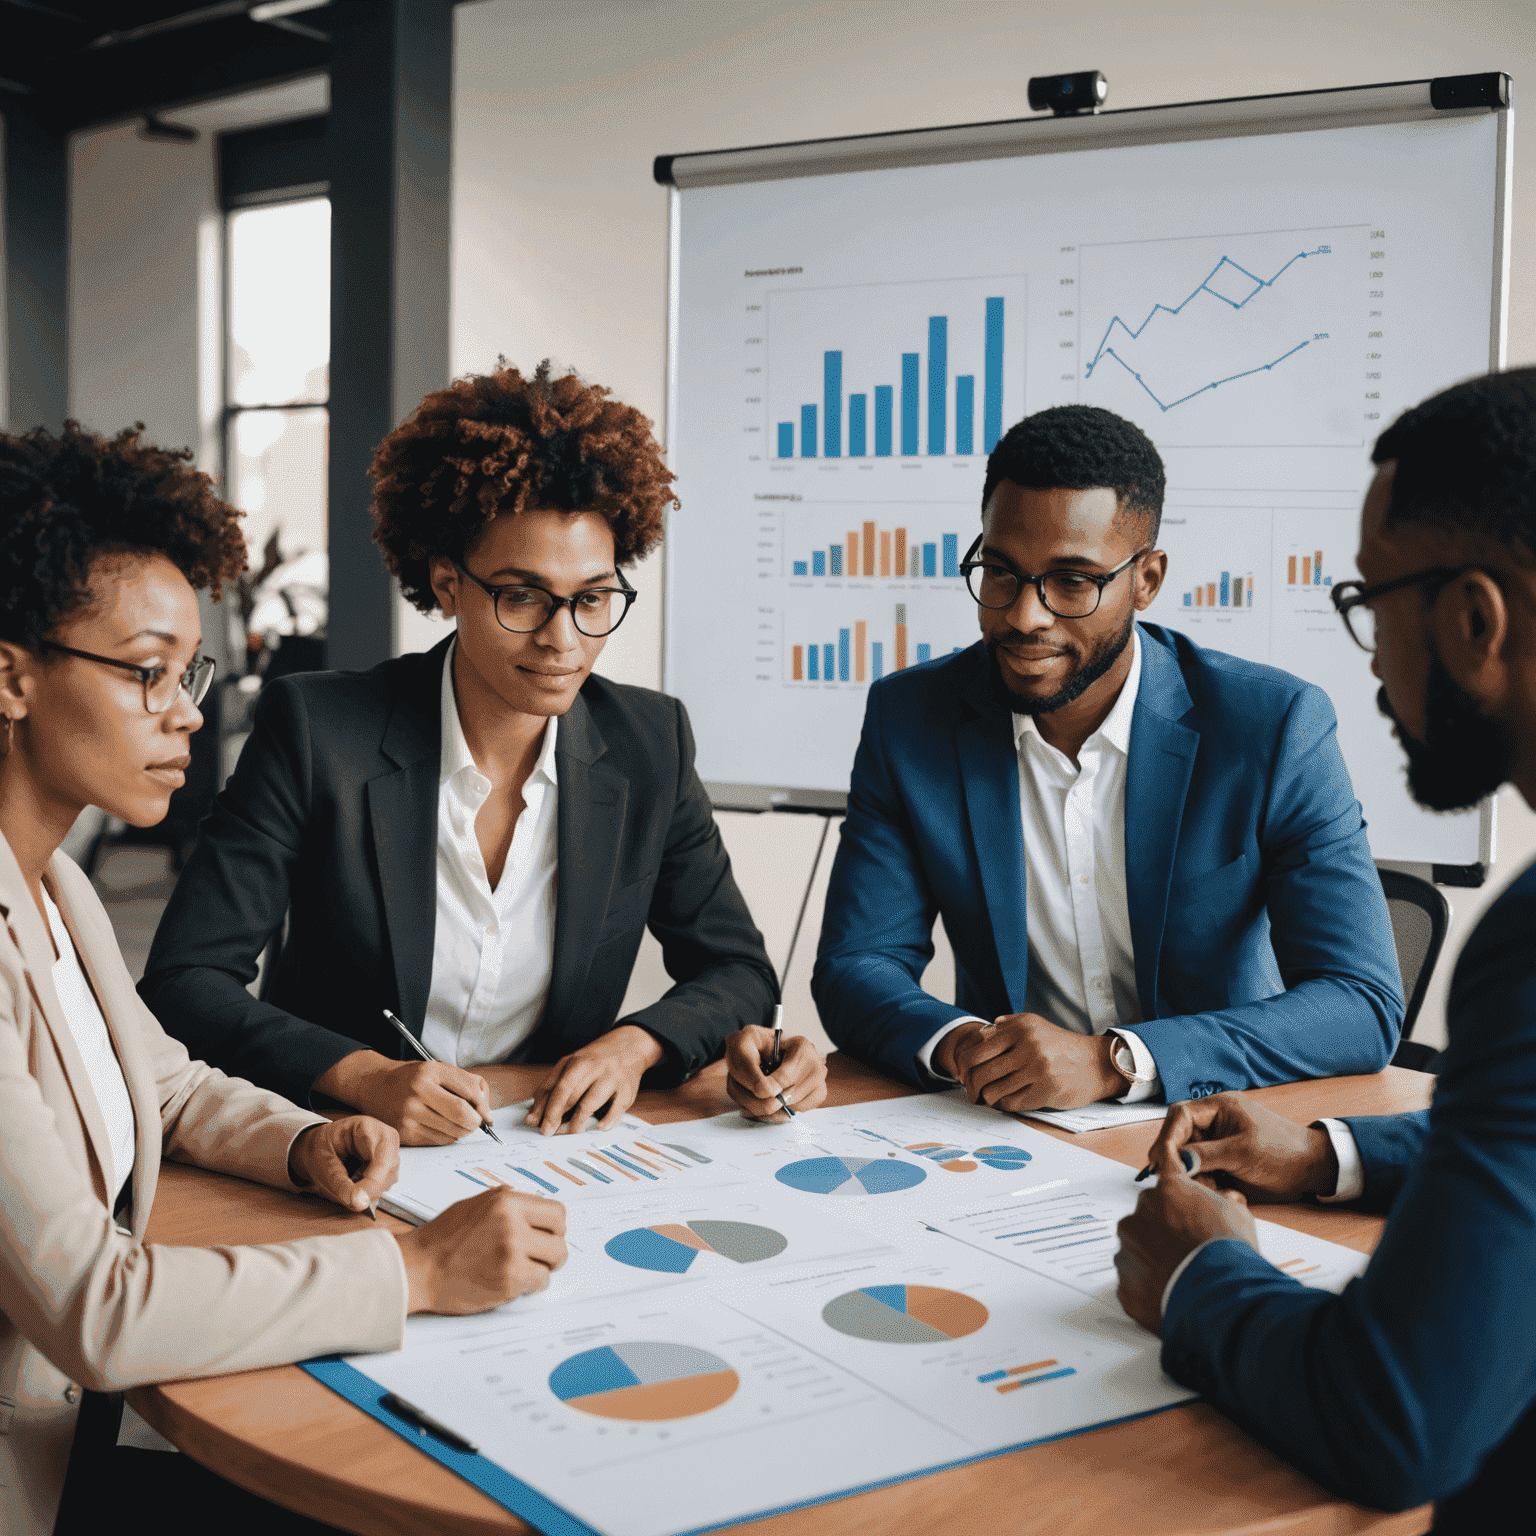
(1082, 963)
(492, 951)
(82, 1012)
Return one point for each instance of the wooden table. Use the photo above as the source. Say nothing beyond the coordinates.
(1186, 1471)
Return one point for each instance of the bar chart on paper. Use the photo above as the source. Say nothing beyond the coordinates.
(886, 371)
(1226, 338)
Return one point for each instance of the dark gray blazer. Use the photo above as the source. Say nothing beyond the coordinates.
(330, 819)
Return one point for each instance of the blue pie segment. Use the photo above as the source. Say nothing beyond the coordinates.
(850, 1175)
(1007, 1158)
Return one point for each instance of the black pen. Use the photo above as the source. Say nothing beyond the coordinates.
(426, 1055)
(424, 1423)
(778, 1051)
(1190, 1160)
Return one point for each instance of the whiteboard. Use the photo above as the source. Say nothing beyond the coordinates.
(1261, 285)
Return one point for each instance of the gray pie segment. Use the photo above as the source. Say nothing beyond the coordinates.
(862, 1317)
(740, 1240)
(668, 1362)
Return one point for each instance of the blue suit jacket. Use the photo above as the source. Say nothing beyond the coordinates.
(1419, 1381)
(1263, 945)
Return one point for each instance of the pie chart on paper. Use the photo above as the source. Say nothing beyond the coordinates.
(850, 1175)
(644, 1382)
(672, 1247)
(904, 1314)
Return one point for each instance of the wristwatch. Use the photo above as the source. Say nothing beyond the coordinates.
(1124, 1059)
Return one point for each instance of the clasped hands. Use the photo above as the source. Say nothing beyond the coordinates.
(1023, 1062)
(1240, 1152)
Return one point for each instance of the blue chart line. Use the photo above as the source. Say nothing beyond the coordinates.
(1260, 284)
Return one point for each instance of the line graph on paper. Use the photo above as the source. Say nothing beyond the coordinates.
(1245, 339)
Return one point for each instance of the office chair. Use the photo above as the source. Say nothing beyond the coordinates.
(1421, 918)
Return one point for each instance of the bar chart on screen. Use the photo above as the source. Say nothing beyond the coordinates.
(872, 374)
(859, 651)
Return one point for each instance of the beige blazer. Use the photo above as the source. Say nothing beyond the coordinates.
(86, 1303)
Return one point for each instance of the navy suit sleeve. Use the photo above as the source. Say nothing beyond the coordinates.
(1389, 1146)
(709, 944)
(1395, 1392)
(1342, 1008)
(877, 931)
(229, 901)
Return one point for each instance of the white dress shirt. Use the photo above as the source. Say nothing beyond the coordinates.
(492, 951)
(83, 1015)
(1082, 964)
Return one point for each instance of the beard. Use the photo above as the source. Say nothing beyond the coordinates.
(1088, 670)
(1464, 756)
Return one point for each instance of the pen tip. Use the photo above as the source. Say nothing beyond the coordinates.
(492, 1134)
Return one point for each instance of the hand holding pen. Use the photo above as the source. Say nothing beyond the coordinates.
(480, 1104)
(772, 1078)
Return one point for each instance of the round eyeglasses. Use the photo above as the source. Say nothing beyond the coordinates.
(524, 610)
(160, 684)
(1351, 599)
(995, 583)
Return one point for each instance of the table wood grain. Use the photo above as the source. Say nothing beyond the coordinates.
(1185, 1472)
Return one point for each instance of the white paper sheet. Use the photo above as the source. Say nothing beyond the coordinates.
(1098, 1117)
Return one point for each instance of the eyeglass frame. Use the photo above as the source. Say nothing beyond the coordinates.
(1362, 594)
(144, 674)
(970, 564)
(557, 602)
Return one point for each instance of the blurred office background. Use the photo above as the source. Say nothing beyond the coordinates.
(266, 229)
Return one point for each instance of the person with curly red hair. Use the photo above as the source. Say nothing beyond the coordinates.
(476, 838)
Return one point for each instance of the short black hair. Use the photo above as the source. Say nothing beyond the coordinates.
(65, 500)
(1081, 448)
(1466, 461)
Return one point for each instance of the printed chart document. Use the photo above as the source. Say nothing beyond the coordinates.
(781, 1315)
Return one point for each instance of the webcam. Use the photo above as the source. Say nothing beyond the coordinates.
(1066, 95)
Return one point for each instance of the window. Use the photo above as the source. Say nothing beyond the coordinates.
(277, 359)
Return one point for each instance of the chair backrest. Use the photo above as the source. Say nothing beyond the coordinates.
(1421, 918)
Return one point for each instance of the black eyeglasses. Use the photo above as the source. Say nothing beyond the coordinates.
(160, 684)
(996, 583)
(524, 610)
(1350, 599)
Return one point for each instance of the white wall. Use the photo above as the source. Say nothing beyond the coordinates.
(560, 231)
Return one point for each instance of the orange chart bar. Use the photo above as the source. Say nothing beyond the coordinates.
(798, 663)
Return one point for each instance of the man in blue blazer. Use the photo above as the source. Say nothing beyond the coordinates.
(1148, 857)
(1419, 1382)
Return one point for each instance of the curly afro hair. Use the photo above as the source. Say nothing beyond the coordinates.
(1466, 461)
(65, 500)
(1081, 448)
(499, 442)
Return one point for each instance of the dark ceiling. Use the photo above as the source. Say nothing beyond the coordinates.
(72, 63)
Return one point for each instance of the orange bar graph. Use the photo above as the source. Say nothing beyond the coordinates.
(1306, 570)
(851, 565)
(1024, 1370)
(1210, 594)
(885, 553)
(901, 647)
(901, 551)
(798, 663)
(1290, 574)
(1199, 597)
(1317, 565)
(869, 549)
(860, 630)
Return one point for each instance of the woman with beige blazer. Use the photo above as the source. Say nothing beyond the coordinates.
(101, 546)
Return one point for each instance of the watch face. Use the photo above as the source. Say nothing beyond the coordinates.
(1125, 1060)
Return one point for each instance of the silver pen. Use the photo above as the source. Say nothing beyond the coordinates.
(426, 1055)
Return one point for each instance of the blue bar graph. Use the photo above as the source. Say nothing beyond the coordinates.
(951, 554)
(842, 655)
(992, 407)
(807, 431)
(924, 653)
(910, 388)
(883, 399)
(837, 560)
(832, 429)
(818, 563)
(938, 383)
(965, 413)
(826, 662)
(877, 656)
(856, 404)
(813, 667)
(800, 569)
(786, 439)
(1226, 589)
(930, 559)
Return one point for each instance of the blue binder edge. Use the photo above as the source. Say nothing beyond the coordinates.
(549, 1518)
(510, 1492)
